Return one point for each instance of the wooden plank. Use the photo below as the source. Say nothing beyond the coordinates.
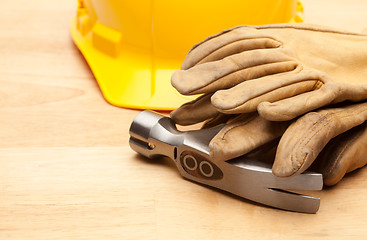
(67, 172)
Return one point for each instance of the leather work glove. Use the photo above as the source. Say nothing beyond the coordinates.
(281, 70)
(335, 138)
(257, 67)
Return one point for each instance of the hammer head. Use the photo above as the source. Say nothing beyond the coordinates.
(153, 134)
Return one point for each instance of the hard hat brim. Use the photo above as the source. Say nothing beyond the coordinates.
(133, 79)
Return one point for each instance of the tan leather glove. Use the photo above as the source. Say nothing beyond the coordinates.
(280, 70)
(304, 139)
(335, 137)
(263, 64)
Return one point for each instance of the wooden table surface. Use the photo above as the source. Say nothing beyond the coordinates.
(67, 172)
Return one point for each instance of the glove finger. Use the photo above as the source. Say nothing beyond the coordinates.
(244, 134)
(232, 70)
(305, 138)
(226, 43)
(238, 47)
(343, 154)
(246, 96)
(195, 111)
(295, 106)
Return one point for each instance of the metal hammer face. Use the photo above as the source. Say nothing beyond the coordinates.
(152, 134)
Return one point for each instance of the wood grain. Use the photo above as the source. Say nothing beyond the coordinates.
(67, 172)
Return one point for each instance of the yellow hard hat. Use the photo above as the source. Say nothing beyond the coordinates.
(133, 47)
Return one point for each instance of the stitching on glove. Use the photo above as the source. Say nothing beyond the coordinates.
(318, 84)
(296, 69)
(317, 130)
(243, 39)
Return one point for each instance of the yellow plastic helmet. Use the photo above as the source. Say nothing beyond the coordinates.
(133, 47)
